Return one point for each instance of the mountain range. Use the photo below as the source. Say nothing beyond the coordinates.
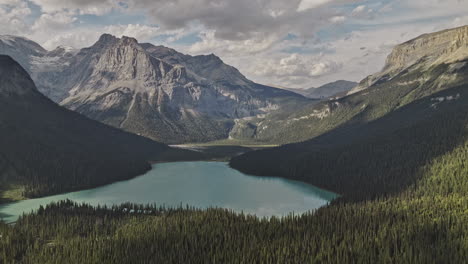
(153, 91)
(157, 92)
(337, 88)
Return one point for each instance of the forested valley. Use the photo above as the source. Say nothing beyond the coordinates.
(415, 214)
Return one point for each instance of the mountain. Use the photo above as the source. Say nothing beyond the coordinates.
(440, 48)
(331, 89)
(152, 90)
(337, 88)
(47, 149)
(43, 66)
(22, 49)
(380, 138)
(405, 79)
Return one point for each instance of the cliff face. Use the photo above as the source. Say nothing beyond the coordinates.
(444, 47)
(441, 47)
(151, 90)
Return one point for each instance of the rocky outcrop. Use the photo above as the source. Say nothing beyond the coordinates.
(444, 47)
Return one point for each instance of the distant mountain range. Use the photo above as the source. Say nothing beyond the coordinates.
(149, 90)
(159, 93)
(416, 69)
(47, 149)
(337, 88)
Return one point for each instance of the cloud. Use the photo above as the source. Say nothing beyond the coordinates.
(55, 21)
(95, 7)
(459, 21)
(296, 66)
(12, 15)
(211, 44)
(298, 43)
(362, 11)
(337, 19)
(359, 9)
(308, 4)
(83, 37)
(240, 19)
(10, 2)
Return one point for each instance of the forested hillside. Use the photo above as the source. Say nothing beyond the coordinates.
(426, 223)
(384, 157)
(46, 149)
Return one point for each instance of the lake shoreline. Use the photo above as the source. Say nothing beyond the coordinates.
(213, 153)
(198, 184)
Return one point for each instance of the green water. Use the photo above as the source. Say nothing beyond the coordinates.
(199, 184)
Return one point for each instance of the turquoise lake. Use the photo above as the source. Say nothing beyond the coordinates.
(198, 184)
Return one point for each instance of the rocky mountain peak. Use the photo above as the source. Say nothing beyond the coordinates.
(128, 40)
(105, 38)
(159, 49)
(151, 90)
(121, 63)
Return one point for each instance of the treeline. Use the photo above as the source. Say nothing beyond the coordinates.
(424, 224)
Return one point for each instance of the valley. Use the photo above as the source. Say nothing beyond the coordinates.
(391, 151)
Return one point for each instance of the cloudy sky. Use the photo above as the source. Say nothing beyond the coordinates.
(290, 43)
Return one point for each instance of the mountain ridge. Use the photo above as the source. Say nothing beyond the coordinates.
(155, 91)
(426, 50)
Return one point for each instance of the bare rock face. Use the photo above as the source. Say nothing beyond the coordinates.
(152, 90)
(444, 47)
